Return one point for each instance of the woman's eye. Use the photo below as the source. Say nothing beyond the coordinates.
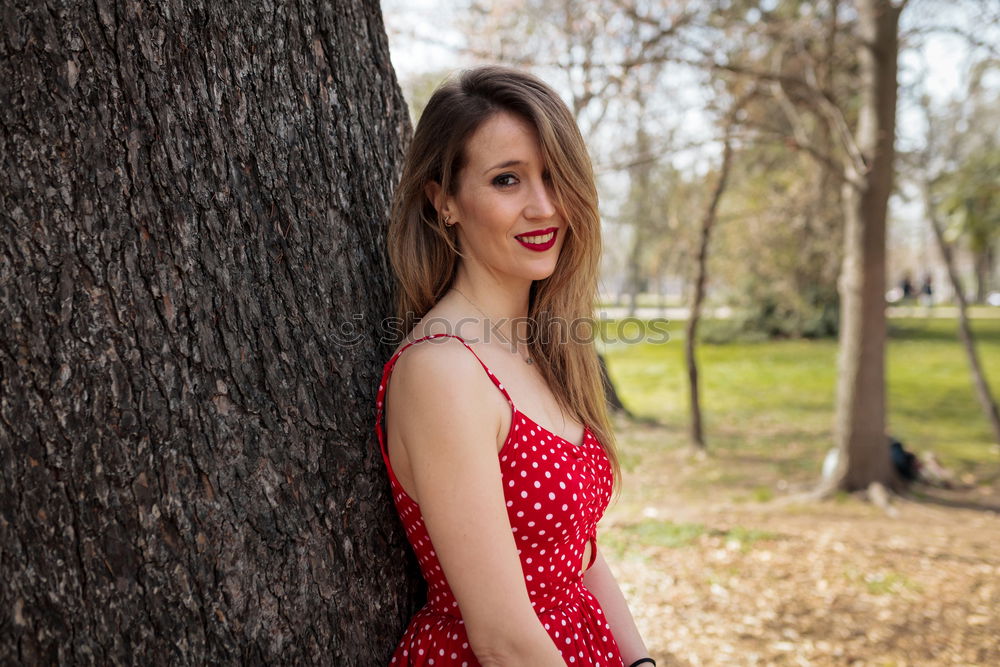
(505, 180)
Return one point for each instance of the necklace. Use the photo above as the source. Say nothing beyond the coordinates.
(527, 360)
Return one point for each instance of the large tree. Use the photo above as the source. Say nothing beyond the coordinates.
(869, 170)
(193, 198)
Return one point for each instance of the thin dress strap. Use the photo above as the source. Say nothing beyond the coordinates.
(387, 371)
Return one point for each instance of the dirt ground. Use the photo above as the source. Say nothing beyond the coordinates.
(716, 579)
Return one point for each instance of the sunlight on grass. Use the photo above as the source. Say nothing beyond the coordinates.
(622, 540)
(662, 533)
(743, 538)
(761, 494)
(882, 583)
(629, 460)
(654, 533)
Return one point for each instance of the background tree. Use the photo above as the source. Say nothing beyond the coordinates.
(972, 206)
(193, 202)
(701, 276)
(864, 159)
(639, 212)
(864, 156)
(855, 124)
(784, 196)
(869, 169)
(953, 175)
(677, 198)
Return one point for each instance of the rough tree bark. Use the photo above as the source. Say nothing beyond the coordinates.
(193, 198)
(859, 425)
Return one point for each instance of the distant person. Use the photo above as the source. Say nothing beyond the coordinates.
(927, 291)
(495, 221)
(906, 287)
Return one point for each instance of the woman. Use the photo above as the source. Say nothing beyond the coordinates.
(497, 443)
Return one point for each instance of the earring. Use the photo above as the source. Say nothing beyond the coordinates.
(447, 221)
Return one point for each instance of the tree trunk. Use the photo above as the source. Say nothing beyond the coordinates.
(633, 270)
(696, 432)
(194, 198)
(859, 429)
(640, 189)
(982, 387)
(610, 393)
(982, 267)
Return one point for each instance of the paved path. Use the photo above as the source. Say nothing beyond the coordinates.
(725, 312)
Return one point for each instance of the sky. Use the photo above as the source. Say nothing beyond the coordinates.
(422, 17)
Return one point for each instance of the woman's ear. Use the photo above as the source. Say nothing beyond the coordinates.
(435, 194)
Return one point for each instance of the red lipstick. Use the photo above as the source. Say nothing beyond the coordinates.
(538, 239)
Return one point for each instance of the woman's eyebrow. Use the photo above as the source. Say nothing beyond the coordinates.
(502, 165)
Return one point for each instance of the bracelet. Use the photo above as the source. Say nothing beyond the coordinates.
(641, 661)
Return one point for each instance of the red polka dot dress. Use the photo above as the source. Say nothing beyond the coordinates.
(556, 491)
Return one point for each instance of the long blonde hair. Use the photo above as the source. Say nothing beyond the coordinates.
(424, 251)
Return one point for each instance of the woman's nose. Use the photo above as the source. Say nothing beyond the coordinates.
(541, 204)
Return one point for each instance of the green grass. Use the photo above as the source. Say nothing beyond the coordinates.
(664, 533)
(657, 533)
(772, 401)
(747, 536)
(882, 583)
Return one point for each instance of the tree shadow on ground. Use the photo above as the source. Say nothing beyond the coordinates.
(936, 332)
(954, 498)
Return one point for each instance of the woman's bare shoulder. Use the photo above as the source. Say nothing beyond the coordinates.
(441, 367)
(440, 398)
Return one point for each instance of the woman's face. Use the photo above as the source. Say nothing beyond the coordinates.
(507, 220)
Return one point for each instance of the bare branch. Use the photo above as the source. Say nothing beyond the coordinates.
(972, 39)
(786, 106)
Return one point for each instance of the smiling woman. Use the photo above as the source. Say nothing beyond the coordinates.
(500, 201)
(495, 243)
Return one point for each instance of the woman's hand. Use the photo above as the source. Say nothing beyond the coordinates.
(602, 583)
(447, 413)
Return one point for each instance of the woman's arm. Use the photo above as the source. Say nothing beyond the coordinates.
(605, 588)
(448, 415)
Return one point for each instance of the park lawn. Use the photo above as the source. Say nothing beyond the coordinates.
(772, 402)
